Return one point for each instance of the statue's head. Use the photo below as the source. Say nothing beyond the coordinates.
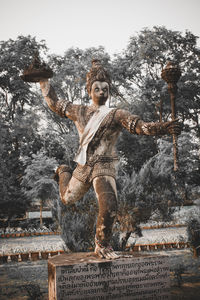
(98, 83)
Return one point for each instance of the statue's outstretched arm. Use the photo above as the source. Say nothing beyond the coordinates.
(135, 125)
(158, 128)
(63, 108)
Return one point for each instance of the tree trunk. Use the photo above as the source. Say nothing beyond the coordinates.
(124, 240)
(41, 223)
(195, 252)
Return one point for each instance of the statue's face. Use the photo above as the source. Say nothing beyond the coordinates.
(99, 92)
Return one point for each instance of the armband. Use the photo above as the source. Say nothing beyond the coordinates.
(133, 125)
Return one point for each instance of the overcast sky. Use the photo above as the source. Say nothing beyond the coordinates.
(90, 23)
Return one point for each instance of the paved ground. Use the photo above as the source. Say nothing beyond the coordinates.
(24, 281)
(28, 244)
(162, 235)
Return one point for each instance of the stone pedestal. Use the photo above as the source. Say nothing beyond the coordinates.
(83, 276)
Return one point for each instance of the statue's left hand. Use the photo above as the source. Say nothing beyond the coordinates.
(173, 127)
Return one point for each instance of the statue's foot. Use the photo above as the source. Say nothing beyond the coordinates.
(106, 252)
(60, 170)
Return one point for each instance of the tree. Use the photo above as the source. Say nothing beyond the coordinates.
(37, 182)
(19, 122)
(12, 203)
(158, 187)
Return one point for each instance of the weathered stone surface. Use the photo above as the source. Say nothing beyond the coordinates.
(84, 276)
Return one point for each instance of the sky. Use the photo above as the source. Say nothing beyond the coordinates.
(89, 23)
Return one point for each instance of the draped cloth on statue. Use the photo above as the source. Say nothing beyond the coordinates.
(89, 132)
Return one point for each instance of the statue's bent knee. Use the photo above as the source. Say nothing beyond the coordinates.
(74, 191)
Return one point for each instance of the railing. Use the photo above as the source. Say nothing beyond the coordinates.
(35, 233)
(38, 255)
(32, 256)
(28, 234)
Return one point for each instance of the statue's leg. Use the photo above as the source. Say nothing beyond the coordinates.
(106, 192)
(70, 188)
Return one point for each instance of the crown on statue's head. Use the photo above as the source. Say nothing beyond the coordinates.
(96, 73)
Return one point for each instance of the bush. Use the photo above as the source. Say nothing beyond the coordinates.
(193, 230)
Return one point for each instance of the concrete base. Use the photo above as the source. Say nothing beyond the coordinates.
(83, 276)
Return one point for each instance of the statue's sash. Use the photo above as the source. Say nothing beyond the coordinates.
(89, 132)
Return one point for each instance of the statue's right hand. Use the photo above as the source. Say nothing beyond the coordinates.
(106, 252)
(173, 127)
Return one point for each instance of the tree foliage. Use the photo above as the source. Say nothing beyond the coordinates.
(78, 223)
(38, 184)
(19, 121)
(157, 186)
(12, 202)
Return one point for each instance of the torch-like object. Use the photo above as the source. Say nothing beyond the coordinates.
(171, 75)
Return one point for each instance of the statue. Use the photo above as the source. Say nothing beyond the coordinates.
(99, 127)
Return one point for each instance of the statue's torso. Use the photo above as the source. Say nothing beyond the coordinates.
(103, 142)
